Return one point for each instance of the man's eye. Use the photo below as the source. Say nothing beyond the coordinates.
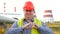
(26, 10)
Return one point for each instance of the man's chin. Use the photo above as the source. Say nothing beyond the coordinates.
(28, 17)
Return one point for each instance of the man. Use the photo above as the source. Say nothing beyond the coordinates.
(29, 24)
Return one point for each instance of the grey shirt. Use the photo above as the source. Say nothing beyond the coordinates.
(15, 30)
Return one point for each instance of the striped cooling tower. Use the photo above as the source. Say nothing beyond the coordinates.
(48, 17)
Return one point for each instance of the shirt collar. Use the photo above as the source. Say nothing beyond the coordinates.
(32, 20)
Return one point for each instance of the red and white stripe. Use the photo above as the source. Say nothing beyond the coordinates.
(48, 13)
(48, 16)
(15, 9)
(4, 7)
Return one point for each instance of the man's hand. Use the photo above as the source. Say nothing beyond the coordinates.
(26, 26)
(35, 26)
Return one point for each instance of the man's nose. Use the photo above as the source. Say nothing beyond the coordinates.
(28, 11)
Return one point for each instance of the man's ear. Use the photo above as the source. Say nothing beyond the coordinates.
(34, 10)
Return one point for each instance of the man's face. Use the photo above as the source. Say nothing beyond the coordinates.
(29, 13)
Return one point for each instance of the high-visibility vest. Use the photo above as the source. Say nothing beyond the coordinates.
(33, 31)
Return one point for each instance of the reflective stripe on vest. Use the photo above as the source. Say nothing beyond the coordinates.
(33, 31)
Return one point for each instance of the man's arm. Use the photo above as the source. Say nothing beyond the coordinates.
(14, 29)
(45, 30)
